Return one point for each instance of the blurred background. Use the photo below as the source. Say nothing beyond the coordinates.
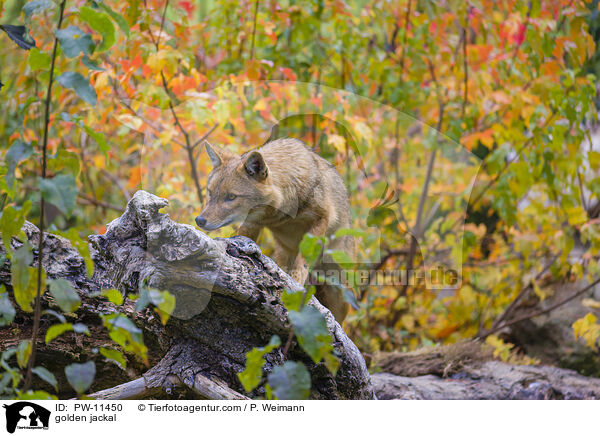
(498, 98)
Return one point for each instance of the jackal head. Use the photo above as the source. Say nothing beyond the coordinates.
(237, 188)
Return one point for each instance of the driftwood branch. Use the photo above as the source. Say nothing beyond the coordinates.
(166, 376)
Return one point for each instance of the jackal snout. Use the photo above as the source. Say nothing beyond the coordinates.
(236, 188)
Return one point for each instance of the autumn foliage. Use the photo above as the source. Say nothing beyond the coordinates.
(462, 130)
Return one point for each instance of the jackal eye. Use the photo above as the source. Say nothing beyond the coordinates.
(230, 197)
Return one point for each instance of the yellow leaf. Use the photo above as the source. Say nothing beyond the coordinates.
(538, 291)
(157, 61)
(408, 321)
(101, 81)
(260, 105)
(130, 121)
(364, 131)
(222, 112)
(338, 142)
(99, 161)
(587, 329)
(501, 349)
(591, 303)
(166, 136)
(594, 158)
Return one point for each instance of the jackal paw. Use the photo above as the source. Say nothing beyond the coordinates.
(300, 274)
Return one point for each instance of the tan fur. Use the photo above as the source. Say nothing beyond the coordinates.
(289, 189)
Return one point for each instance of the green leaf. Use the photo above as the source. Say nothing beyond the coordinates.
(38, 60)
(118, 321)
(7, 311)
(101, 24)
(251, 376)
(19, 35)
(61, 191)
(378, 215)
(23, 277)
(81, 328)
(81, 245)
(73, 41)
(36, 395)
(292, 300)
(133, 12)
(594, 160)
(58, 316)
(81, 375)
(11, 222)
(80, 84)
(125, 333)
(311, 247)
(56, 330)
(348, 293)
(310, 327)
(64, 161)
(36, 6)
(291, 381)
(143, 300)
(99, 138)
(164, 302)
(341, 258)
(351, 232)
(350, 298)
(46, 375)
(17, 153)
(121, 22)
(114, 355)
(113, 295)
(23, 353)
(65, 295)
(91, 64)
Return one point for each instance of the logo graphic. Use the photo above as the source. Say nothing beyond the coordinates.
(26, 415)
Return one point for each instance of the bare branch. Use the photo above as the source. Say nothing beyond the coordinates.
(141, 387)
(205, 136)
(162, 23)
(37, 309)
(405, 39)
(82, 198)
(540, 312)
(466, 68)
(254, 29)
(117, 182)
(513, 305)
(499, 174)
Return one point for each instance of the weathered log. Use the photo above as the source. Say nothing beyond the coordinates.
(469, 371)
(228, 302)
(227, 295)
(491, 380)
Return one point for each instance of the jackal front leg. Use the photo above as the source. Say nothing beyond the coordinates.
(249, 230)
(300, 267)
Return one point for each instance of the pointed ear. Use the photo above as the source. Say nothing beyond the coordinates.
(215, 155)
(255, 166)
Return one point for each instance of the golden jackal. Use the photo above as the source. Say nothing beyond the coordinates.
(289, 189)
